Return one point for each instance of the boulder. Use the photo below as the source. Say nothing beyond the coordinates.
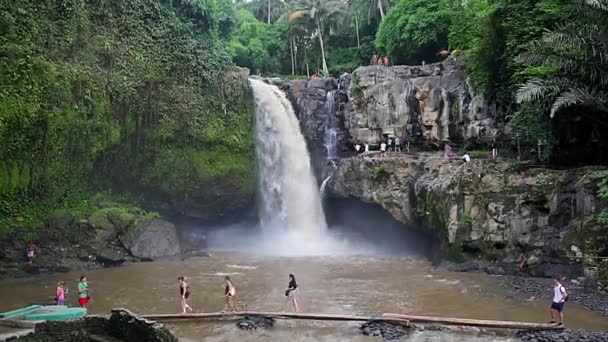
(152, 239)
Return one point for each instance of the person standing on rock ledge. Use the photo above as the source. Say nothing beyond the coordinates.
(560, 296)
(382, 149)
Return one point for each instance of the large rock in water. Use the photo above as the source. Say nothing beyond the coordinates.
(152, 239)
(500, 211)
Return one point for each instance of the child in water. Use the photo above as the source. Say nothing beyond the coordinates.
(61, 292)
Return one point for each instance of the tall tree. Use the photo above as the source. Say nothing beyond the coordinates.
(322, 14)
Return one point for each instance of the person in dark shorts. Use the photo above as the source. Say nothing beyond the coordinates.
(184, 292)
(559, 299)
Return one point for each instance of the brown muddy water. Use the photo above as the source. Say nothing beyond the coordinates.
(364, 285)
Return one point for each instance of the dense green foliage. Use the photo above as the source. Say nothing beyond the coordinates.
(414, 30)
(106, 94)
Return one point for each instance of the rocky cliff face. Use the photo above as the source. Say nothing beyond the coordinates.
(319, 104)
(430, 104)
(500, 211)
(433, 103)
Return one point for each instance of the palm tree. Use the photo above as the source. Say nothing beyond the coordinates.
(577, 53)
(320, 13)
(267, 10)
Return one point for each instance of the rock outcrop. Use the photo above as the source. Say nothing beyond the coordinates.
(152, 239)
(429, 104)
(501, 211)
(319, 103)
(433, 103)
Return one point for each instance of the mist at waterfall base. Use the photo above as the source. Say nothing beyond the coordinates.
(292, 219)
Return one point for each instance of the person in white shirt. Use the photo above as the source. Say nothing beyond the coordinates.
(559, 299)
(382, 149)
(466, 158)
(397, 144)
(366, 147)
(357, 148)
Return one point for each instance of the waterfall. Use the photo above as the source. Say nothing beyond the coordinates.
(290, 204)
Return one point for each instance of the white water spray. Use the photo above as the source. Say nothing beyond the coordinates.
(291, 212)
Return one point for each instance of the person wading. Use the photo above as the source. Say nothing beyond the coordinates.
(290, 293)
(60, 293)
(560, 296)
(184, 291)
(83, 292)
(230, 293)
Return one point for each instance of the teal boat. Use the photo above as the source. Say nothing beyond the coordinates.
(56, 313)
(20, 312)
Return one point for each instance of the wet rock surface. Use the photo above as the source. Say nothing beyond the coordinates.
(254, 323)
(490, 215)
(388, 331)
(563, 336)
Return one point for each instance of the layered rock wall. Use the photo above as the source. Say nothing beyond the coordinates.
(501, 211)
(429, 104)
(432, 103)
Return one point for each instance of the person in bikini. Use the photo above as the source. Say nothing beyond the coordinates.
(184, 291)
(291, 292)
(229, 293)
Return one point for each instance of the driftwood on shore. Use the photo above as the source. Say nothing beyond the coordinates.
(387, 317)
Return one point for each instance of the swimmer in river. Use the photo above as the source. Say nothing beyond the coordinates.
(229, 293)
(184, 291)
(291, 292)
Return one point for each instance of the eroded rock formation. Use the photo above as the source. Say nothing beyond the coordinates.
(501, 211)
(433, 103)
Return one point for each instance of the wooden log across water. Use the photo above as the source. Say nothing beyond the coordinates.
(275, 315)
(482, 323)
(387, 317)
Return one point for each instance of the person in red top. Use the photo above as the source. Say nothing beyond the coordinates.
(380, 61)
(386, 60)
(314, 75)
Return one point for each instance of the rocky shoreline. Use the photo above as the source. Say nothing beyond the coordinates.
(529, 287)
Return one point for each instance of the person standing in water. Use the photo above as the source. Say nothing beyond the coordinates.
(61, 292)
(559, 299)
(229, 293)
(83, 292)
(184, 291)
(291, 292)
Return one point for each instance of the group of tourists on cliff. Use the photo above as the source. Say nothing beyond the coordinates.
(377, 60)
(391, 144)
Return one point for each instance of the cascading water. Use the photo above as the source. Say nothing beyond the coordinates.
(290, 205)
